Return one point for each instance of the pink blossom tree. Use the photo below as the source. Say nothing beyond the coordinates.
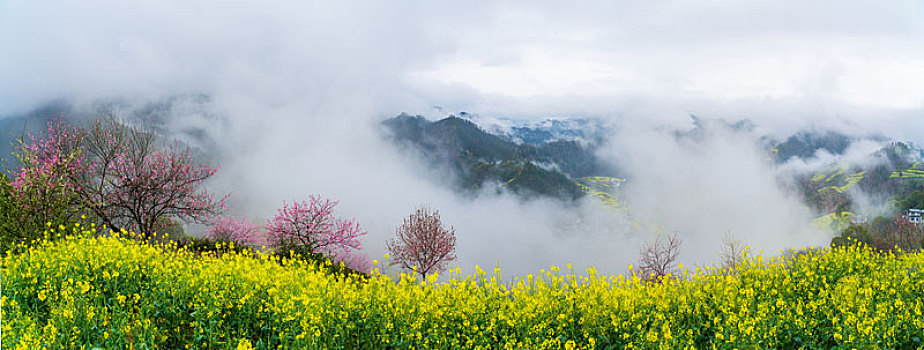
(133, 182)
(312, 227)
(41, 188)
(422, 244)
(117, 173)
(231, 229)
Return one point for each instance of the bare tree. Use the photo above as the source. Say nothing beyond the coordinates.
(423, 243)
(732, 252)
(659, 258)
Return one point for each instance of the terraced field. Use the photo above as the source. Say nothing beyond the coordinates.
(834, 221)
(603, 188)
(908, 174)
(839, 180)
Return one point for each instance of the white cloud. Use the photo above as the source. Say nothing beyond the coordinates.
(709, 50)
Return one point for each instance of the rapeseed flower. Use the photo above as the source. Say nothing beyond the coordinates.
(110, 290)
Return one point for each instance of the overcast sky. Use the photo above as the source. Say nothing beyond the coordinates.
(474, 54)
(299, 82)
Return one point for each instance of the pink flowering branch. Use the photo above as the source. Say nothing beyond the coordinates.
(41, 187)
(132, 182)
(118, 173)
(422, 243)
(312, 225)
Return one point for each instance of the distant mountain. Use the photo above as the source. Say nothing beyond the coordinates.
(478, 157)
(538, 132)
(805, 144)
(893, 175)
(552, 157)
(886, 178)
(556, 158)
(703, 127)
(164, 115)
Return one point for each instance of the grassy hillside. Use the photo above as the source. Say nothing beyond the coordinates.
(897, 176)
(115, 292)
(476, 157)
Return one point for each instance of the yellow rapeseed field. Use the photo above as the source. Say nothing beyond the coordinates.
(87, 291)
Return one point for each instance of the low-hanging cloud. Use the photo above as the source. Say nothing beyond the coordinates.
(296, 89)
(379, 185)
(707, 184)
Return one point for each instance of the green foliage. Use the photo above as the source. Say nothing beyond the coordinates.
(880, 225)
(911, 200)
(201, 245)
(524, 177)
(572, 158)
(9, 215)
(20, 227)
(831, 192)
(40, 195)
(805, 144)
(855, 232)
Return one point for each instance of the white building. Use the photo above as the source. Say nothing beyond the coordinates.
(915, 215)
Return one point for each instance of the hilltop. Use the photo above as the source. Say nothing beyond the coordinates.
(478, 158)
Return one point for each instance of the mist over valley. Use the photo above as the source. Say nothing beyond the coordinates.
(529, 193)
(461, 175)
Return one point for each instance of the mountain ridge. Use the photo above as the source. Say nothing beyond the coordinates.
(478, 157)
